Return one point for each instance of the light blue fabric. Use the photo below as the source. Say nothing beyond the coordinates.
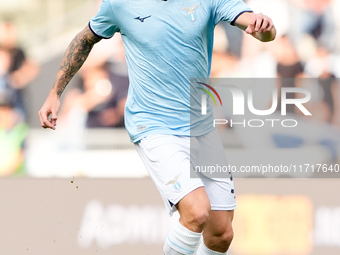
(166, 44)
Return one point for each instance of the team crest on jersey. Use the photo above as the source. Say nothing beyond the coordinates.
(191, 12)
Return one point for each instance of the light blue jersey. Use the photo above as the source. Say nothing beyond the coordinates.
(166, 44)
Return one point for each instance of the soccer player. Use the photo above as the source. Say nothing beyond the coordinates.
(167, 43)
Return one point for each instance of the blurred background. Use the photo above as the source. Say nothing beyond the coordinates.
(73, 190)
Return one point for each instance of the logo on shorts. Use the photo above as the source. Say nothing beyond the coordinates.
(204, 97)
(191, 12)
(175, 182)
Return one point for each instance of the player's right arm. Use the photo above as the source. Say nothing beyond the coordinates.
(73, 59)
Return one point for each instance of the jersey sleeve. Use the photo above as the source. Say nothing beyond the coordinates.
(229, 10)
(104, 23)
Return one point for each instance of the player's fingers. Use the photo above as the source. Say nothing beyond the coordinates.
(269, 26)
(259, 20)
(251, 28)
(45, 123)
(41, 118)
(264, 25)
(248, 30)
(252, 25)
(48, 124)
(54, 119)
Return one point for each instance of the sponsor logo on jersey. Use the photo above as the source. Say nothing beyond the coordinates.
(191, 12)
(142, 19)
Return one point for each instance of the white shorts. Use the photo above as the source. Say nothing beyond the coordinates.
(168, 159)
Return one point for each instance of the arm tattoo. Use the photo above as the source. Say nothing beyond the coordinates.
(74, 58)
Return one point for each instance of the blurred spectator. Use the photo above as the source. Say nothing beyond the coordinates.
(314, 17)
(256, 57)
(109, 113)
(320, 67)
(113, 116)
(102, 95)
(330, 100)
(5, 81)
(12, 136)
(224, 63)
(5, 62)
(234, 36)
(288, 61)
(289, 67)
(20, 70)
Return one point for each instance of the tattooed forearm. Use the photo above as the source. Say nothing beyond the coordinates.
(74, 58)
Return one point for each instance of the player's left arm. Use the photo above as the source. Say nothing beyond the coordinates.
(258, 25)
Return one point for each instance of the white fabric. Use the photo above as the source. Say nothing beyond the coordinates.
(204, 250)
(168, 159)
(181, 241)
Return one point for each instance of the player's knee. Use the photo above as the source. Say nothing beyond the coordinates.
(224, 239)
(227, 238)
(194, 210)
(198, 218)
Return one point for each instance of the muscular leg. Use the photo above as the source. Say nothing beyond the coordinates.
(194, 210)
(217, 234)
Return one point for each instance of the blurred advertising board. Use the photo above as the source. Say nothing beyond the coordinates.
(127, 216)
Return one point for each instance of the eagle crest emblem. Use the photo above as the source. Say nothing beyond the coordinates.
(191, 11)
